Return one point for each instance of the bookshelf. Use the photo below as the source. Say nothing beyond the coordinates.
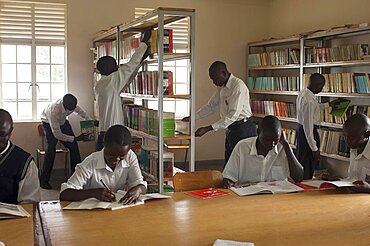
(337, 52)
(155, 85)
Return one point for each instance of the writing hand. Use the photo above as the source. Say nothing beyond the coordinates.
(103, 194)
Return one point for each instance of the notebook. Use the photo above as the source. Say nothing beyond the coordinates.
(339, 109)
(12, 211)
(207, 193)
(274, 187)
(329, 184)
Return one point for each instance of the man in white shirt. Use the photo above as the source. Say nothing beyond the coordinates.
(232, 101)
(113, 80)
(19, 179)
(357, 132)
(105, 172)
(56, 127)
(308, 114)
(267, 157)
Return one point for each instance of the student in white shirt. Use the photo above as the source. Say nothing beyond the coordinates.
(116, 165)
(357, 132)
(308, 114)
(267, 157)
(56, 127)
(108, 89)
(19, 179)
(231, 100)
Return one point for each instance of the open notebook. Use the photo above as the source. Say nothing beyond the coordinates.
(329, 184)
(274, 187)
(93, 203)
(11, 211)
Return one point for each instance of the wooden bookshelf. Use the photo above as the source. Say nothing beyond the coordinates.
(283, 93)
(345, 95)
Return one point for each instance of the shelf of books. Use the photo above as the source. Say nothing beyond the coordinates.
(279, 68)
(146, 116)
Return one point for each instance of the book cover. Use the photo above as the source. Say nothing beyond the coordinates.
(207, 193)
(88, 127)
(340, 108)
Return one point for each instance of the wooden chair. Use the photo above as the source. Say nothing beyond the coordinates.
(59, 149)
(197, 180)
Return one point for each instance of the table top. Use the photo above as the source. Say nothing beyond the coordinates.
(18, 231)
(330, 217)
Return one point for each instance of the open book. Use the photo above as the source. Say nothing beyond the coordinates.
(88, 127)
(11, 211)
(339, 109)
(329, 184)
(274, 187)
(93, 203)
(221, 242)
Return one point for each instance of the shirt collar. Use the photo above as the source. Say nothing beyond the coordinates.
(6, 148)
(310, 93)
(365, 153)
(101, 162)
(254, 148)
(228, 83)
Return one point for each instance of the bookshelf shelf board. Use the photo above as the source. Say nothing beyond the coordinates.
(106, 36)
(280, 118)
(332, 94)
(289, 66)
(166, 57)
(177, 146)
(155, 138)
(274, 41)
(142, 96)
(151, 178)
(333, 156)
(344, 32)
(338, 64)
(331, 125)
(285, 93)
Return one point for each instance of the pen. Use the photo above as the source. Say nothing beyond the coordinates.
(106, 187)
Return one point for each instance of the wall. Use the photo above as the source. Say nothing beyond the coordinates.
(223, 29)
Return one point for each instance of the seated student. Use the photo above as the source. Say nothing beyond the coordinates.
(116, 165)
(267, 157)
(19, 179)
(357, 132)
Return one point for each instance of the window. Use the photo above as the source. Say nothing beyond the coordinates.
(32, 57)
(179, 68)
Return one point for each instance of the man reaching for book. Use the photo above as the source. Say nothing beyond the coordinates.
(267, 157)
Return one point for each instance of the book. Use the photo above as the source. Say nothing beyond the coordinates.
(88, 127)
(93, 203)
(339, 109)
(12, 211)
(207, 193)
(274, 187)
(329, 184)
(222, 242)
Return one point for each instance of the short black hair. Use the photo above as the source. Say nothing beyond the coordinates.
(69, 99)
(317, 78)
(359, 122)
(5, 116)
(270, 124)
(218, 66)
(117, 134)
(105, 63)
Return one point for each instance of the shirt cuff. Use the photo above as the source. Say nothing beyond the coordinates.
(136, 183)
(66, 186)
(216, 126)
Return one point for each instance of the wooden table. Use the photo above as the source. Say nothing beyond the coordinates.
(330, 217)
(18, 231)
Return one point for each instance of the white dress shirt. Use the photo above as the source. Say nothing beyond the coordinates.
(55, 114)
(108, 90)
(231, 101)
(89, 172)
(29, 186)
(247, 166)
(359, 165)
(308, 114)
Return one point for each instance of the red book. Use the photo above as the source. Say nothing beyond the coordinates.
(207, 193)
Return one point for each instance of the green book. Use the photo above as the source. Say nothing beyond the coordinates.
(88, 127)
(340, 108)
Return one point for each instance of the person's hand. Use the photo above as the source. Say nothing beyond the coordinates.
(187, 119)
(103, 194)
(360, 187)
(131, 196)
(316, 155)
(226, 184)
(82, 137)
(332, 103)
(282, 139)
(326, 176)
(146, 36)
(203, 130)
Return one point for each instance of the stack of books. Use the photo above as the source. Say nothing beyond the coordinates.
(350, 52)
(273, 83)
(281, 109)
(333, 142)
(273, 58)
(146, 83)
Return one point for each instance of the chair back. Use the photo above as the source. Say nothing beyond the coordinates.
(42, 135)
(197, 180)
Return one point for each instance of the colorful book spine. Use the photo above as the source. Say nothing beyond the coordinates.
(280, 109)
(146, 83)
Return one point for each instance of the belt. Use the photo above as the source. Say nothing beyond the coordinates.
(238, 122)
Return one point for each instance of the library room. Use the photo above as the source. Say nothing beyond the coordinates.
(187, 122)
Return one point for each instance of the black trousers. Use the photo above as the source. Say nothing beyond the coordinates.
(50, 148)
(304, 153)
(237, 132)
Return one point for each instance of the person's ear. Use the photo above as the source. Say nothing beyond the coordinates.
(367, 134)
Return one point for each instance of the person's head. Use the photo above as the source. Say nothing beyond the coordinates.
(106, 65)
(117, 143)
(6, 128)
(356, 130)
(269, 132)
(218, 73)
(69, 102)
(316, 83)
